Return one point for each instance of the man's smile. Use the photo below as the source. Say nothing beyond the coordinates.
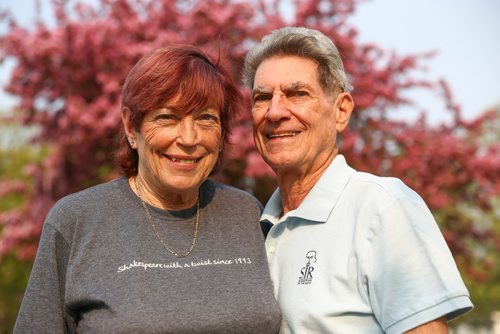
(282, 134)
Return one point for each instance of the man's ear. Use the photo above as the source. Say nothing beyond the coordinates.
(128, 124)
(344, 105)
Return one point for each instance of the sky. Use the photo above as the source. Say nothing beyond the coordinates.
(464, 33)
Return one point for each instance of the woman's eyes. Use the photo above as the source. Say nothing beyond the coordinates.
(166, 117)
(205, 117)
(209, 117)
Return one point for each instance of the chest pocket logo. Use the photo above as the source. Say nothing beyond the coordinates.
(307, 271)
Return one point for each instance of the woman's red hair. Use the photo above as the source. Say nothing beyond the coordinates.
(183, 73)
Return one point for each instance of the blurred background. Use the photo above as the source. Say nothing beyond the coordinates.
(427, 109)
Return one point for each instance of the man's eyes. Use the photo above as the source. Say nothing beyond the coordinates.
(289, 95)
(262, 97)
(299, 93)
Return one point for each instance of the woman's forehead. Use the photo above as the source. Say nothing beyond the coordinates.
(188, 101)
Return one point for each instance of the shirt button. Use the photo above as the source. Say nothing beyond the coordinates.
(271, 249)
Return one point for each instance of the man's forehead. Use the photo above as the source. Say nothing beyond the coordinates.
(286, 72)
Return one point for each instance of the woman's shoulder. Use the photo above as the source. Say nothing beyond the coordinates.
(90, 199)
(103, 192)
(78, 209)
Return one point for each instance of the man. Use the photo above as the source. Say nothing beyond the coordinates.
(349, 252)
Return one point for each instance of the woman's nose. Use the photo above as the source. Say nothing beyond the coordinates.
(188, 135)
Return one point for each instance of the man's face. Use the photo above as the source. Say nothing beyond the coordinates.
(294, 121)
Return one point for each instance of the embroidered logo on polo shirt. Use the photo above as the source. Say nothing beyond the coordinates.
(306, 271)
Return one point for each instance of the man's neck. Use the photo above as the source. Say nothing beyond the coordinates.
(295, 185)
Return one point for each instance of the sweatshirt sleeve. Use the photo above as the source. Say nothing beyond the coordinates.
(42, 308)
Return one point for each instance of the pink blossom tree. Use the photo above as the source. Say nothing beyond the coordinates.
(68, 80)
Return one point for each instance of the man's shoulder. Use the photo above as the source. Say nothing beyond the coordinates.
(382, 187)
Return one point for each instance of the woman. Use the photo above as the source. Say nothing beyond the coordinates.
(162, 250)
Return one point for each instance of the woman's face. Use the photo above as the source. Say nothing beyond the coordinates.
(177, 151)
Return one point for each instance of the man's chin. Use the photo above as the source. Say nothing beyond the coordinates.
(280, 163)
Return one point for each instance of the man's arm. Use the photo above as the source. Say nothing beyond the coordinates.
(437, 326)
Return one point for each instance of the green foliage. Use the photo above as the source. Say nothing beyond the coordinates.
(483, 282)
(14, 275)
(486, 299)
(12, 162)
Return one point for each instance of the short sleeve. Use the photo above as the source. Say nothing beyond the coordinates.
(412, 277)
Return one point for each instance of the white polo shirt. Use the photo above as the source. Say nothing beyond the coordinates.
(361, 254)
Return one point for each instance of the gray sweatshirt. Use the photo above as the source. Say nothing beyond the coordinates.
(101, 269)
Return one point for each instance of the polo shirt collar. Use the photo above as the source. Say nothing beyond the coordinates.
(320, 201)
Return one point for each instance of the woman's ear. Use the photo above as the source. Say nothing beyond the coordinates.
(344, 105)
(128, 125)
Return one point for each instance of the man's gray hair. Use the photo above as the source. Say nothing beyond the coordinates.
(301, 42)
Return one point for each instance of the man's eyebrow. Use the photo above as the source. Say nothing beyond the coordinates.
(286, 88)
(295, 86)
(260, 90)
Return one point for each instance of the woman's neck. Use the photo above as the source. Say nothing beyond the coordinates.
(165, 200)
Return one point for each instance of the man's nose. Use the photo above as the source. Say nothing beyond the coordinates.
(278, 108)
(188, 134)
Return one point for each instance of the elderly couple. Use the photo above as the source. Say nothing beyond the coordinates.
(164, 249)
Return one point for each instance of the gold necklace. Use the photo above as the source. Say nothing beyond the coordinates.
(155, 229)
